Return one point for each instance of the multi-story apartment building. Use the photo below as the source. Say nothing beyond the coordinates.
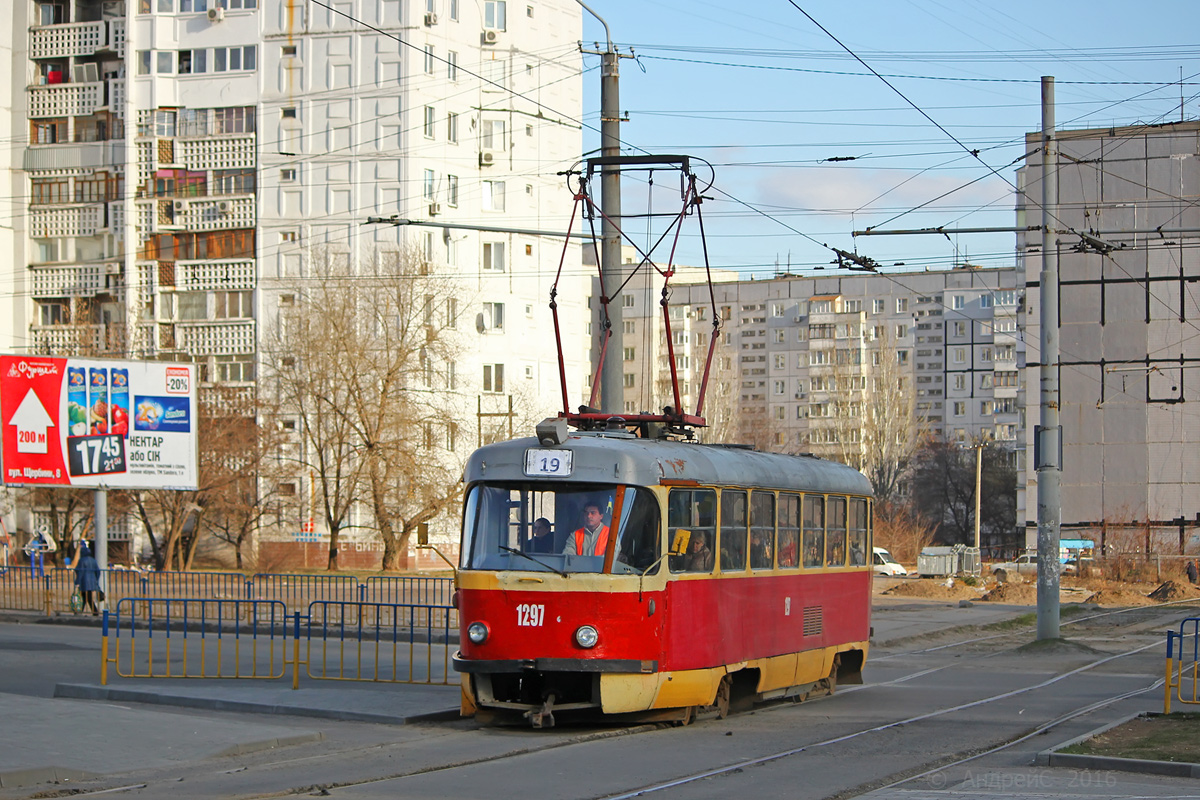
(1129, 349)
(797, 355)
(262, 134)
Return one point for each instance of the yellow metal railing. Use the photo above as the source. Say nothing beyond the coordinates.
(1183, 659)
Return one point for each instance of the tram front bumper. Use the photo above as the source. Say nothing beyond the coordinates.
(626, 665)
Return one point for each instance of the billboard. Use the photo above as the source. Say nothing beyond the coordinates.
(91, 423)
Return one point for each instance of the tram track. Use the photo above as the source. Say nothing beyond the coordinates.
(239, 782)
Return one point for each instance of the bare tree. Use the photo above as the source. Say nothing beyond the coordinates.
(367, 366)
(874, 424)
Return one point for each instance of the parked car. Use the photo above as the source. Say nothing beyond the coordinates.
(883, 563)
(1024, 565)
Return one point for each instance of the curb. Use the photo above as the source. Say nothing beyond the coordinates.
(1175, 769)
(16, 778)
(78, 691)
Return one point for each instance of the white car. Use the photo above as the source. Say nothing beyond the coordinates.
(1024, 565)
(883, 563)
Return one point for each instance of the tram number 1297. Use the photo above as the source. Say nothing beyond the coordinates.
(530, 615)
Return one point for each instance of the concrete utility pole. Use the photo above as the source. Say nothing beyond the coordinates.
(612, 381)
(1048, 436)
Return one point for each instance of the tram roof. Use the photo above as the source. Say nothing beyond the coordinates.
(607, 457)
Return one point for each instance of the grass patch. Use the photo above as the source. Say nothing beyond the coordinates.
(1157, 737)
(1023, 621)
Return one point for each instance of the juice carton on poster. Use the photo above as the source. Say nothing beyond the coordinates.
(97, 400)
(77, 404)
(118, 404)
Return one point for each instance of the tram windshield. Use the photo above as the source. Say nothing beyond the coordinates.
(565, 528)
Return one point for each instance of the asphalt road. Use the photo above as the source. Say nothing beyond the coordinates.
(931, 700)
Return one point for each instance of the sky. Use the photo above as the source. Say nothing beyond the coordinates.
(807, 145)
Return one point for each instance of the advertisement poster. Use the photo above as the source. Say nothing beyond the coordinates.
(96, 423)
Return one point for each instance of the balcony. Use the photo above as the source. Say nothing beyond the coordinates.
(216, 152)
(64, 41)
(48, 222)
(65, 99)
(66, 340)
(74, 156)
(214, 213)
(213, 338)
(222, 275)
(75, 280)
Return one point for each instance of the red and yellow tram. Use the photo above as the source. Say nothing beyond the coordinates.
(675, 576)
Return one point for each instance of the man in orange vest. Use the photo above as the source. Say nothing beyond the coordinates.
(592, 538)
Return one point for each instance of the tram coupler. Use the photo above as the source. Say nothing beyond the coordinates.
(543, 717)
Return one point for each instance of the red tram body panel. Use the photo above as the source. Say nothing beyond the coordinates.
(690, 588)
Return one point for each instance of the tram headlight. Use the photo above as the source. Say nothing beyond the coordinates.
(477, 632)
(586, 637)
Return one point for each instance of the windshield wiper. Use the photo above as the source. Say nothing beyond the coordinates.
(537, 561)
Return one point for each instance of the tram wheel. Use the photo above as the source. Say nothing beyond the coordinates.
(831, 681)
(688, 714)
(724, 692)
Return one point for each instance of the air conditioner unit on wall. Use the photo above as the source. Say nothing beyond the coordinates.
(216, 14)
(491, 36)
(487, 158)
(224, 207)
(435, 209)
(181, 205)
(431, 19)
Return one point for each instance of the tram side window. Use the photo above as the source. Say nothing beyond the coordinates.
(638, 546)
(814, 530)
(858, 532)
(762, 530)
(789, 531)
(835, 545)
(733, 530)
(692, 524)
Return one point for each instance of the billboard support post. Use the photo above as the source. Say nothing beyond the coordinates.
(100, 525)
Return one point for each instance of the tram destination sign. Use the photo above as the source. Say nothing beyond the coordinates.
(90, 423)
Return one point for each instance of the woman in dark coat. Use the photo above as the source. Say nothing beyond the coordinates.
(87, 578)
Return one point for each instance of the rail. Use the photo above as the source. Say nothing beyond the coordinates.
(1183, 658)
(162, 637)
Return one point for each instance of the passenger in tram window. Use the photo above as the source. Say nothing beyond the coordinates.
(542, 540)
(858, 556)
(787, 548)
(700, 556)
(837, 553)
(760, 549)
(592, 538)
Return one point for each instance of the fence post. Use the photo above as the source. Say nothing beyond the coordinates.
(104, 649)
(296, 653)
(1168, 685)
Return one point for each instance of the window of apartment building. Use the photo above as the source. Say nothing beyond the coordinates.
(957, 302)
(820, 307)
(779, 411)
(985, 354)
(901, 331)
(777, 309)
(627, 301)
(852, 306)
(902, 357)
(233, 305)
(237, 119)
(452, 190)
(494, 15)
(454, 10)
(960, 408)
(491, 135)
(493, 195)
(628, 353)
(287, 175)
(51, 190)
(429, 184)
(493, 378)
(452, 65)
(960, 382)
(54, 313)
(629, 326)
(628, 380)
(429, 59)
(985, 380)
(1005, 352)
(985, 301)
(1007, 297)
(430, 122)
(234, 59)
(233, 181)
(288, 51)
(1004, 325)
(233, 368)
(49, 131)
(960, 328)
(959, 355)
(52, 13)
(1006, 379)
(986, 408)
(193, 62)
(48, 250)
(877, 306)
(451, 312)
(452, 127)
(780, 361)
(164, 62)
(493, 316)
(493, 256)
(780, 335)
(901, 305)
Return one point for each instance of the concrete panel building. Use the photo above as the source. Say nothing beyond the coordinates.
(1130, 349)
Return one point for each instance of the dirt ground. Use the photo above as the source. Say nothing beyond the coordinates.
(1109, 594)
(1173, 737)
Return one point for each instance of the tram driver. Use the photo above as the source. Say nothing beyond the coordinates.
(592, 538)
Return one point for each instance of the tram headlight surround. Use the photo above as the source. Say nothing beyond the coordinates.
(478, 632)
(586, 636)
